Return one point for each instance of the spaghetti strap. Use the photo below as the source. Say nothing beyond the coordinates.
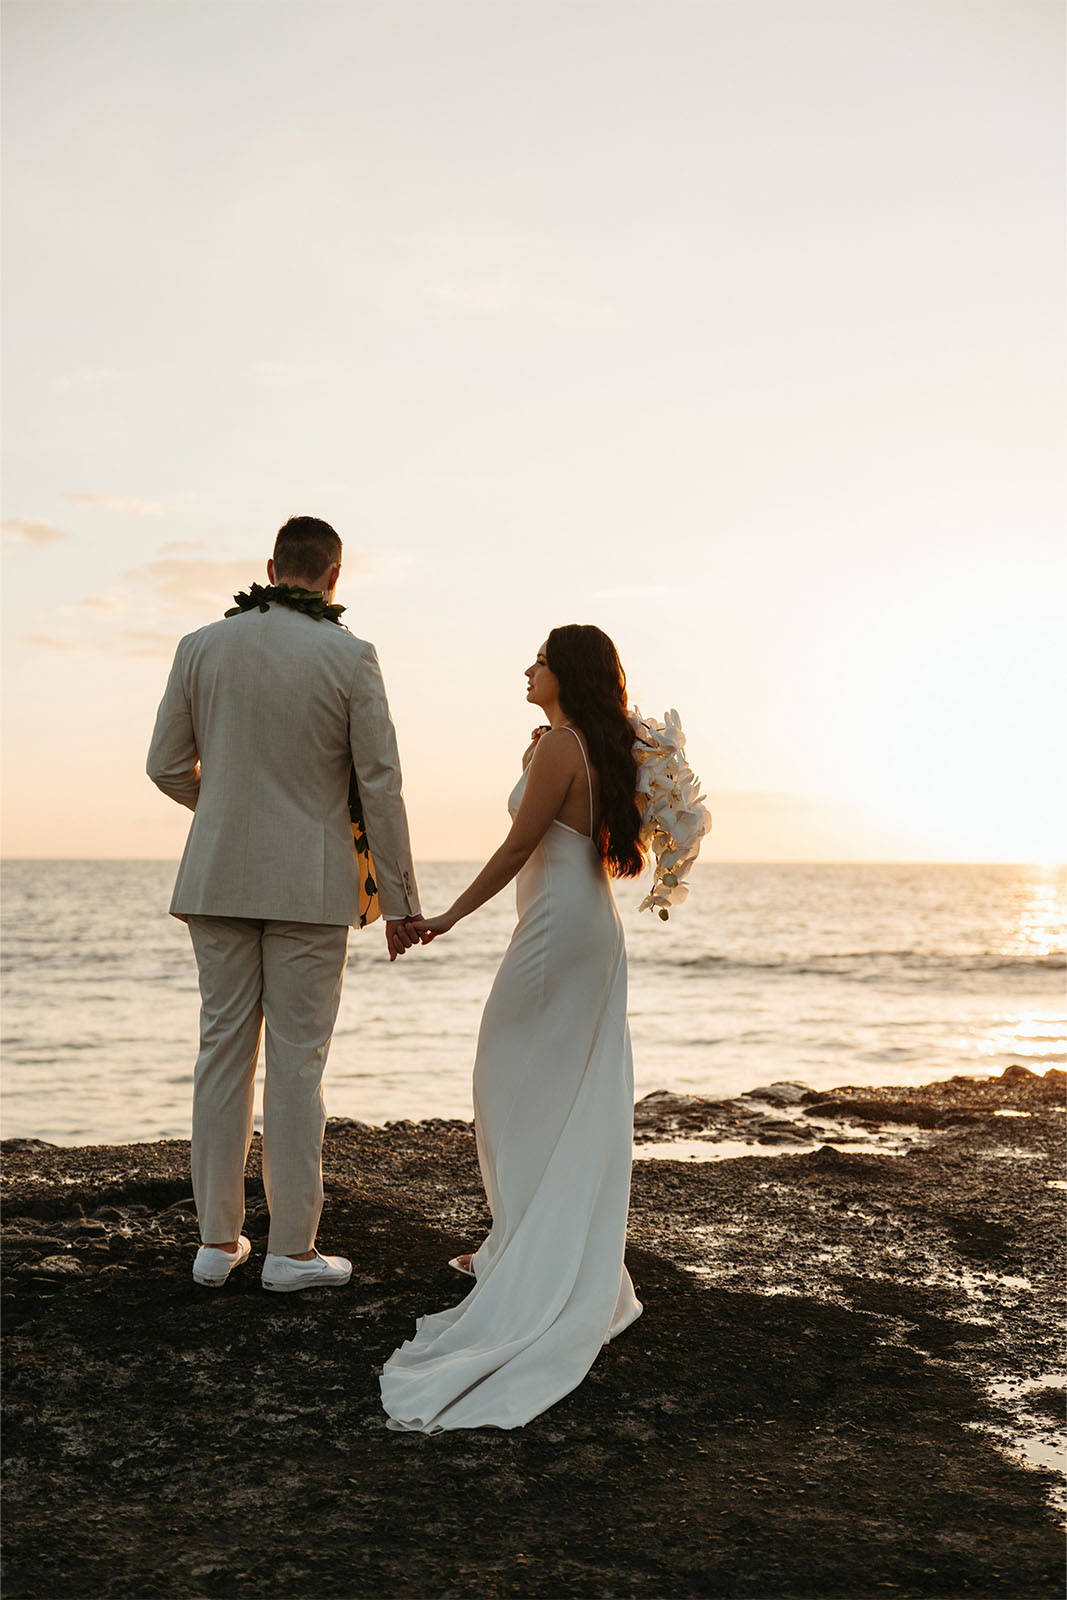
(588, 774)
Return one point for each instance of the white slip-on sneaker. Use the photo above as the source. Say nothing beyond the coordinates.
(283, 1273)
(212, 1267)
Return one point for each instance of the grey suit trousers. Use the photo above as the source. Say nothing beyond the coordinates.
(287, 975)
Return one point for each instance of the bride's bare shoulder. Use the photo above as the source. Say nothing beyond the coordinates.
(535, 739)
(557, 756)
(549, 747)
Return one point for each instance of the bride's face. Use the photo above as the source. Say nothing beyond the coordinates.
(542, 685)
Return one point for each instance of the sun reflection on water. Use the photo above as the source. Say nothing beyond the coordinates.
(1038, 934)
(1032, 1036)
(1042, 921)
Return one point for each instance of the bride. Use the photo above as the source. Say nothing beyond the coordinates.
(553, 1074)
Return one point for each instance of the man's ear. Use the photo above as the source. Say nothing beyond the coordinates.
(270, 570)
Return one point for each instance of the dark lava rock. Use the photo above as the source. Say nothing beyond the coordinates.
(58, 1267)
(804, 1410)
(882, 1111)
(779, 1094)
(1050, 1402)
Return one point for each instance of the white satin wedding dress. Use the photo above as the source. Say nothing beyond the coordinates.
(553, 1101)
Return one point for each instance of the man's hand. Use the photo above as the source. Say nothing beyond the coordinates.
(400, 936)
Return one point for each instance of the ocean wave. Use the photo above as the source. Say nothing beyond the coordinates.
(859, 963)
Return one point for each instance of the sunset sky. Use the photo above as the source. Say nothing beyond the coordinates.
(732, 326)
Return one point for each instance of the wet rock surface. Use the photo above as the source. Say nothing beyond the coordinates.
(840, 1356)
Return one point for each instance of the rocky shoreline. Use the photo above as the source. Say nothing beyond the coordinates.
(846, 1381)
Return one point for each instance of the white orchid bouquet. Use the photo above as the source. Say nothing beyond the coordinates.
(673, 817)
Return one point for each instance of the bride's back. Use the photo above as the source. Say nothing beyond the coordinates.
(575, 810)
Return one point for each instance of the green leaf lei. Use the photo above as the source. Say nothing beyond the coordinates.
(312, 602)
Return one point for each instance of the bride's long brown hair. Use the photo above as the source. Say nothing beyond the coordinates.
(592, 693)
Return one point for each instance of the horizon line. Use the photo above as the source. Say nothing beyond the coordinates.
(748, 861)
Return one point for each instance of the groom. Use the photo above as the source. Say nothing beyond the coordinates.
(265, 714)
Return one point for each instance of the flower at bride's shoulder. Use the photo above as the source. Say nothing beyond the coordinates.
(667, 735)
(673, 736)
(673, 816)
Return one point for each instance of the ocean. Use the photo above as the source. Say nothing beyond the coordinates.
(830, 974)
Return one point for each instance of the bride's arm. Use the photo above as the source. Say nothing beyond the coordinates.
(551, 772)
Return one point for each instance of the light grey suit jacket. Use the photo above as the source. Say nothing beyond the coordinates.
(263, 714)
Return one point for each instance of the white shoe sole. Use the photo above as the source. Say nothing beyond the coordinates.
(307, 1283)
(211, 1283)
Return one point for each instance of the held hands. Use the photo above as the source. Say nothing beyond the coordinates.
(402, 934)
(430, 928)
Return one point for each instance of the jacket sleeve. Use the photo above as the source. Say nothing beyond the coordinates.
(173, 759)
(377, 763)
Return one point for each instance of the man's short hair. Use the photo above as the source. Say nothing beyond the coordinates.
(305, 548)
